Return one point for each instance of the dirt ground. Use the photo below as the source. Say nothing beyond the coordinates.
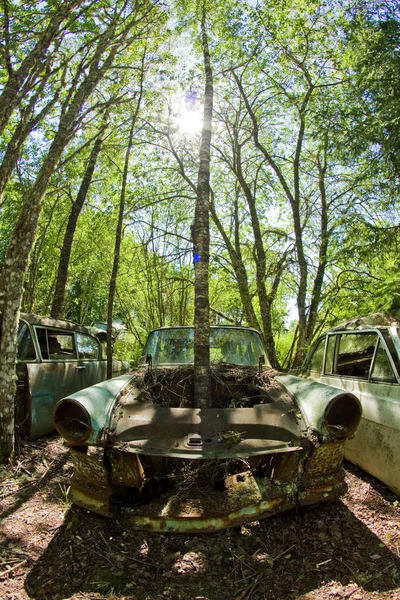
(51, 550)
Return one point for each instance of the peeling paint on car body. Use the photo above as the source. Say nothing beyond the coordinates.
(363, 356)
(55, 358)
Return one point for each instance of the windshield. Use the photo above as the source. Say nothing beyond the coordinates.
(228, 345)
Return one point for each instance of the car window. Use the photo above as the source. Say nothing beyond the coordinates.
(88, 347)
(227, 345)
(171, 346)
(392, 350)
(26, 349)
(317, 357)
(382, 368)
(235, 346)
(330, 354)
(356, 351)
(56, 345)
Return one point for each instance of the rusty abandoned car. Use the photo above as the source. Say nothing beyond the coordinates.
(362, 356)
(267, 443)
(54, 358)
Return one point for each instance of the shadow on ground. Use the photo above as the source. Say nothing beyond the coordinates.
(30, 488)
(376, 485)
(280, 558)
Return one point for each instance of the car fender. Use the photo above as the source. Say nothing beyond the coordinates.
(98, 401)
(315, 401)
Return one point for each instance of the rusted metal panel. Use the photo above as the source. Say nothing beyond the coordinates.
(247, 498)
(323, 488)
(126, 469)
(244, 496)
(324, 459)
(205, 433)
(283, 467)
(90, 487)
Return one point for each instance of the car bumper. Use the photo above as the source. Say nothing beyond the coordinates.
(245, 497)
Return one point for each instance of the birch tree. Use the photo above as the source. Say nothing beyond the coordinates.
(201, 239)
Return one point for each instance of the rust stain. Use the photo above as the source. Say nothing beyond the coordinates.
(126, 469)
(324, 460)
(90, 487)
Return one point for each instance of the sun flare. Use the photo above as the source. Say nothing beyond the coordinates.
(189, 121)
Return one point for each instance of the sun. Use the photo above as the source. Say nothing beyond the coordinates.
(189, 122)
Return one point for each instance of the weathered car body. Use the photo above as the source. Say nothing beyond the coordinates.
(362, 356)
(55, 358)
(267, 443)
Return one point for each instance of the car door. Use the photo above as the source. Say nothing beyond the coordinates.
(55, 376)
(363, 363)
(26, 354)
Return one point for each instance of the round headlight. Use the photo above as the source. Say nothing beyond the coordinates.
(342, 415)
(72, 421)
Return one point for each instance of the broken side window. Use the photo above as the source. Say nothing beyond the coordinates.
(56, 345)
(356, 351)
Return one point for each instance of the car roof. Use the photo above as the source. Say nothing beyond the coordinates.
(166, 327)
(378, 320)
(33, 319)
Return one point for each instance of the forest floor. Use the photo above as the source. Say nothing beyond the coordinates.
(51, 550)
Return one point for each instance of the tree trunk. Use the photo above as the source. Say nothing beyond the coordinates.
(201, 242)
(118, 234)
(239, 269)
(322, 253)
(298, 232)
(57, 308)
(294, 201)
(261, 265)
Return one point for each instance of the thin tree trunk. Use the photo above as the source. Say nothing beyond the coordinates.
(322, 253)
(294, 200)
(298, 232)
(118, 234)
(261, 265)
(239, 269)
(57, 308)
(201, 242)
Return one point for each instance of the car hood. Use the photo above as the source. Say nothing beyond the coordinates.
(145, 428)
